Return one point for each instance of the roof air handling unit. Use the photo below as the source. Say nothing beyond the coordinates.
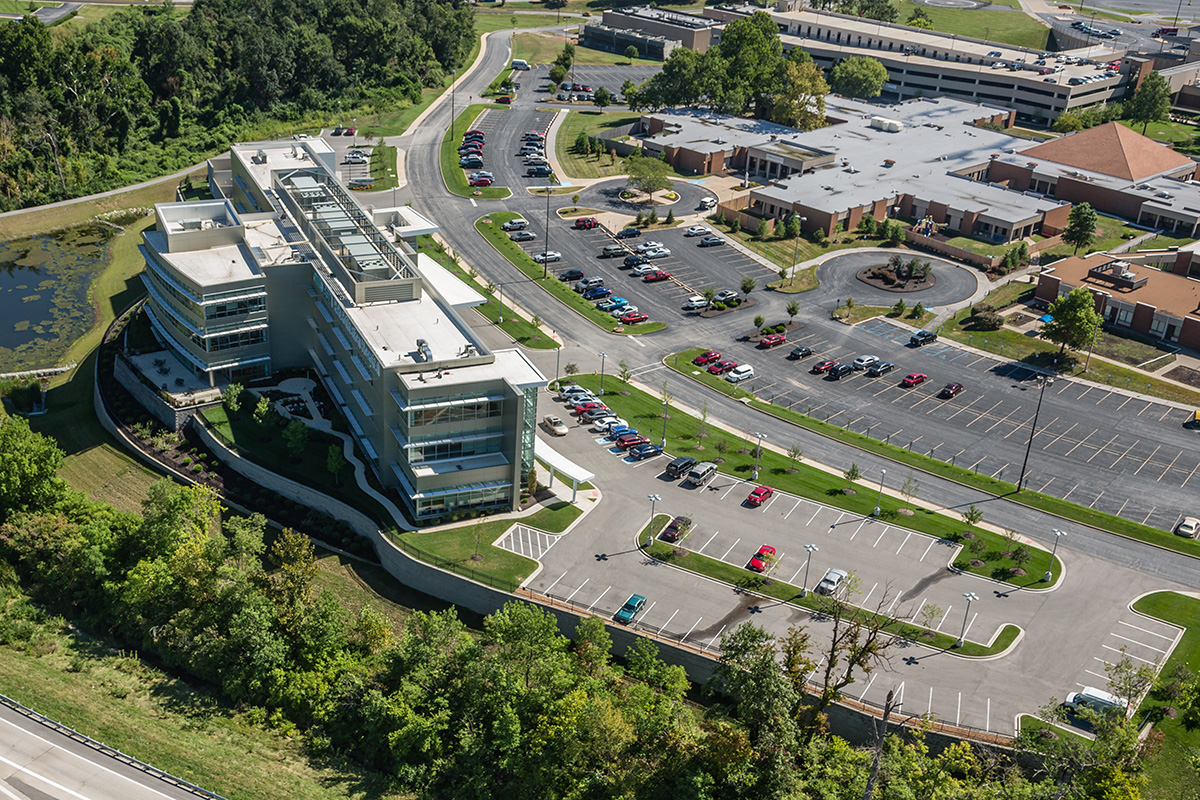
(887, 125)
(423, 349)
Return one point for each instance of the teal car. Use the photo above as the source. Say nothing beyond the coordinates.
(632, 606)
(612, 303)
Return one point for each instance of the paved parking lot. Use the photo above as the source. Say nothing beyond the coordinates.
(986, 428)
(526, 541)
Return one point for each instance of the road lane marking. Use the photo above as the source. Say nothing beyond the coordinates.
(901, 547)
(735, 544)
(689, 633)
(551, 586)
(927, 549)
(880, 539)
(597, 600)
(585, 583)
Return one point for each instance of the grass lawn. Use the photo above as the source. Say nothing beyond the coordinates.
(979, 246)
(486, 21)
(383, 166)
(994, 25)
(1030, 133)
(1163, 242)
(489, 226)
(1109, 233)
(1019, 347)
(801, 280)
(927, 463)
(1165, 131)
(542, 48)
(178, 728)
(593, 123)
(242, 433)
(454, 175)
(1170, 774)
(787, 593)
(861, 313)
(644, 411)
(783, 251)
(523, 332)
(23, 6)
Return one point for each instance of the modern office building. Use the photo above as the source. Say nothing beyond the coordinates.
(924, 63)
(689, 30)
(285, 269)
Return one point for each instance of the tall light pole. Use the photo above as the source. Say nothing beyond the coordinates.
(1043, 382)
(758, 452)
(1053, 552)
(970, 596)
(879, 497)
(546, 245)
(666, 408)
(796, 250)
(602, 357)
(653, 498)
(811, 548)
(557, 358)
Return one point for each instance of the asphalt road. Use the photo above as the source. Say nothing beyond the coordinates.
(40, 763)
(597, 566)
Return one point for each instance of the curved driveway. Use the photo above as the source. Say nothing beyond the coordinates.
(953, 283)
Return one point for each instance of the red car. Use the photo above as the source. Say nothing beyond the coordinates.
(914, 379)
(633, 318)
(474, 132)
(675, 529)
(824, 366)
(657, 275)
(586, 223)
(480, 181)
(631, 440)
(707, 357)
(763, 558)
(772, 340)
(583, 408)
(950, 390)
(759, 495)
(721, 367)
(506, 100)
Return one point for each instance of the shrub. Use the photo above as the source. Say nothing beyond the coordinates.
(780, 328)
(718, 306)
(735, 302)
(987, 321)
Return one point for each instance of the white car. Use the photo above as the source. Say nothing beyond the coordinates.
(644, 246)
(657, 252)
(832, 582)
(604, 423)
(695, 303)
(547, 257)
(697, 230)
(642, 270)
(622, 311)
(1189, 527)
(862, 362)
(555, 425)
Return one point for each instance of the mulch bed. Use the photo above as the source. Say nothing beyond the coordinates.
(747, 302)
(865, 276)
(1184, 375)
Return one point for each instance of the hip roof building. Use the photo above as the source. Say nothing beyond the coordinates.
(284, 269)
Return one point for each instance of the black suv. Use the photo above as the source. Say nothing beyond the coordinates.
(635, 261)
(841, 371)
(922, 337)
(681, 466)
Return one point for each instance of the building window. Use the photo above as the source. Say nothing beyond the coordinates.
(1125, 317)
(230, 341)
(483, 409)
(440, 451)
(235, 308)
(528, 430)
(1158, 326)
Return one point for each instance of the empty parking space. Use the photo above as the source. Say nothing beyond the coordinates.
(527, 541)
(1141, 640)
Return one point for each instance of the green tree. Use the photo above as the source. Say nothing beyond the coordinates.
(1081, 226)
(748, 285)
(800, 102)
(793, 226)
(670, 217)
(631, 52)
(261, 409)
(793, 308)
(652, 217)
(624, 372)
(335, 462)
(29, 465)
(759, 321)
(1066, 122)
(602, 98)
(232, 397)
(919, 19)
(761, 231)
(558, 73)
(246, 537)
(1151, 102)
(648, 175)
(972, 516)
(899, 309)
(853, 473)
(858, 76)
(710, 294)
(750, 65)
(909, 489)
(295, 435)
(1075, 320)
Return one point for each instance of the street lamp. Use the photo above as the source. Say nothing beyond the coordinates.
(1053, 551)
(666, 408)
(653, 498)
(758, 452)
(796, 250)
(546, 247)
(811, 548)
(970, 596)
(1043, 382)
(879, 497)
(602, 357)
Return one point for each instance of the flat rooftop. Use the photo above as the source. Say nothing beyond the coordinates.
(209, 267)
(708, 132)
(667, 17)
(261, 158)
(1171, 294)
(509, 365)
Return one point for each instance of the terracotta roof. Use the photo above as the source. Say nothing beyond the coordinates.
(1171, 294)
(1110, 149)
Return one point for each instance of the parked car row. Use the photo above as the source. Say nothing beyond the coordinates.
(470, 155)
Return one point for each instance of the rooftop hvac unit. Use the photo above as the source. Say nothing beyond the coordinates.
(423, 349)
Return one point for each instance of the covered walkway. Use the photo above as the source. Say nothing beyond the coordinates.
(557, 462)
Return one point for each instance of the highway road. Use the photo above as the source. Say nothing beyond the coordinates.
(38, 762)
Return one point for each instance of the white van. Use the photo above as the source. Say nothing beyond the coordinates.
(520, 63)
(701, 474)
(740, 373)
(1097, 700)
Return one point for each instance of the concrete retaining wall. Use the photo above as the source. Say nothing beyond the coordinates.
(170, 416)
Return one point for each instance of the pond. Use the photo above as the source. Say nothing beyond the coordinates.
(44, 297)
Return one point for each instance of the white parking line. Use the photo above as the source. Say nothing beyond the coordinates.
(1130, 655)
(585, 583)
(895, 600)
(945, 616)
(958, 714)
(1144, 630)
(556, 580)
(798, 502)
(987, 726)
(901, 547)
(1061, 435)
(1102, 661)
(646, 612)
(735, 544)
(689, 633)
(713, 639)
(1081, 441)
(874, 675)
(769, 502)
(732, 486)
(859, 528)
(814, 516)
(1097, 674)
(880, 539)
(597, 600)
(863, 604)
(969, 624)
(706, 544)
(663, 627)
(929, 708)
(927, 549)
(1135, 641)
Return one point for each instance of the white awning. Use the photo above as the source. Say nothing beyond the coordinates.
(556, 460)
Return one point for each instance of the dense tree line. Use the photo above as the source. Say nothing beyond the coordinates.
(513, 710)
(148, 90)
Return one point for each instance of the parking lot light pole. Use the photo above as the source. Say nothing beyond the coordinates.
(966, 614)
(1053, 551)
(602, 357)
(758, 452)
(879, 497)
(546, 243)
(1043, 382)
(811, 548)
(666, 408)
(653, 498)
